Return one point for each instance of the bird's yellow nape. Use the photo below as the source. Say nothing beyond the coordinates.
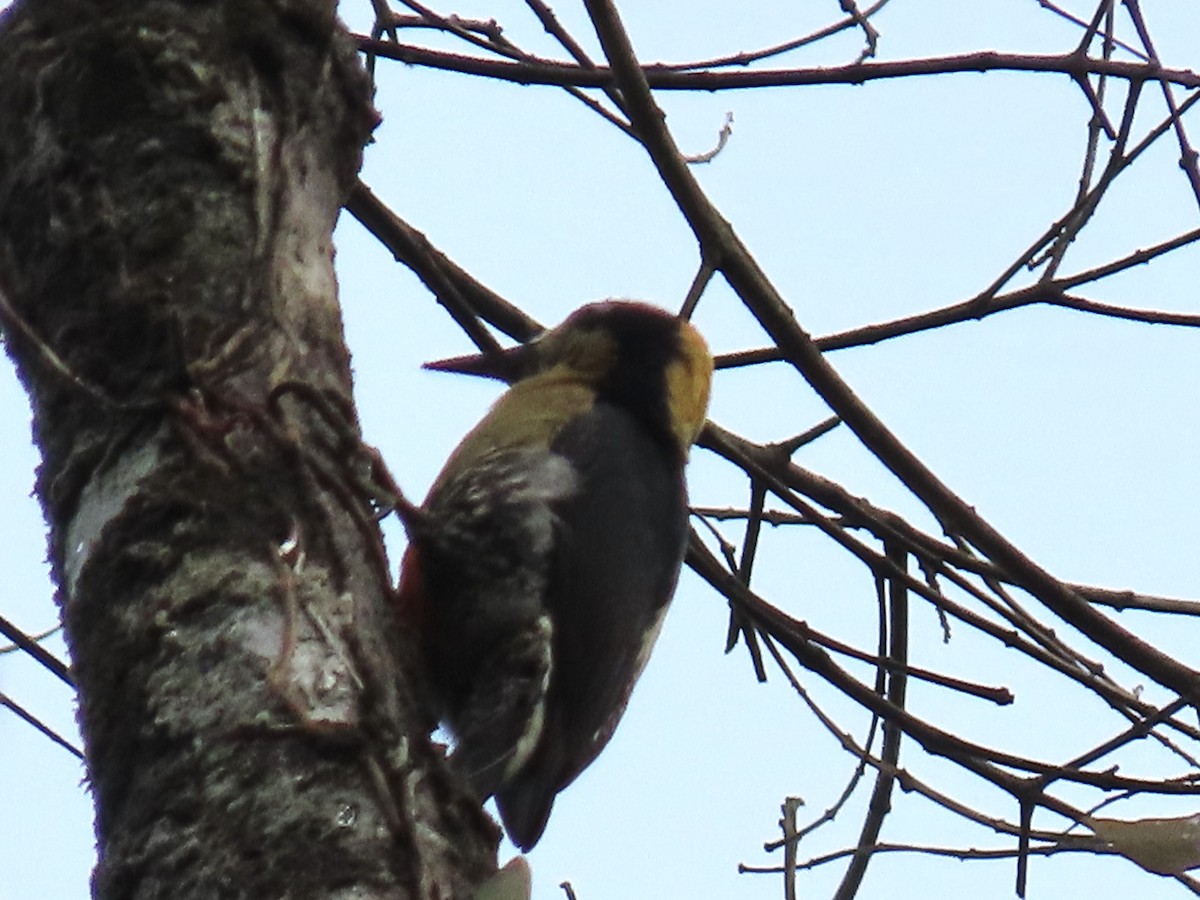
(689, 381)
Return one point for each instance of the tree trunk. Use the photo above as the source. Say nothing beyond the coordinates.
(170, 174)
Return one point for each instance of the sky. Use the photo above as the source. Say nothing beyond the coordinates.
(1073, 435)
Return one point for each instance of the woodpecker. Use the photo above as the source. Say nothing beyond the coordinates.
(541, 564)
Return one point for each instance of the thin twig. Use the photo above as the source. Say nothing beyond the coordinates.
(893, 598)
(38, 724)
(747, 57)
(29, 644)
(1187, 153)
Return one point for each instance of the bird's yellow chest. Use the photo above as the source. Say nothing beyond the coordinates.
(529, 414)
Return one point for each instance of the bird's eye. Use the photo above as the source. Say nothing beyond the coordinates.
(591, 353)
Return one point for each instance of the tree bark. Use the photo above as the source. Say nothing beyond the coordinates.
(170, 174)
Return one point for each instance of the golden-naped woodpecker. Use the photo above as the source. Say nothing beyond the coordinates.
(541, 564)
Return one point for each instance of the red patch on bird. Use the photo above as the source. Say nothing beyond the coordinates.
(410, 593)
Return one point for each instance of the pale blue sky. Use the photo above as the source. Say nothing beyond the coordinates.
(1077, 437)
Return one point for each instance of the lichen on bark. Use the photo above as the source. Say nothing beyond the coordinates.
(170, 174)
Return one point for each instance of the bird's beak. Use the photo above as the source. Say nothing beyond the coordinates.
(504, 365)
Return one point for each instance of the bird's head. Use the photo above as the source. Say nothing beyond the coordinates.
(631, 354)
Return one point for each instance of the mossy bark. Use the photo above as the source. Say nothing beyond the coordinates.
(170, 174)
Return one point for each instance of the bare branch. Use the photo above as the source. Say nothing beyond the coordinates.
(666, 78)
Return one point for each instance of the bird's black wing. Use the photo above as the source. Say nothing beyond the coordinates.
(619, 543)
